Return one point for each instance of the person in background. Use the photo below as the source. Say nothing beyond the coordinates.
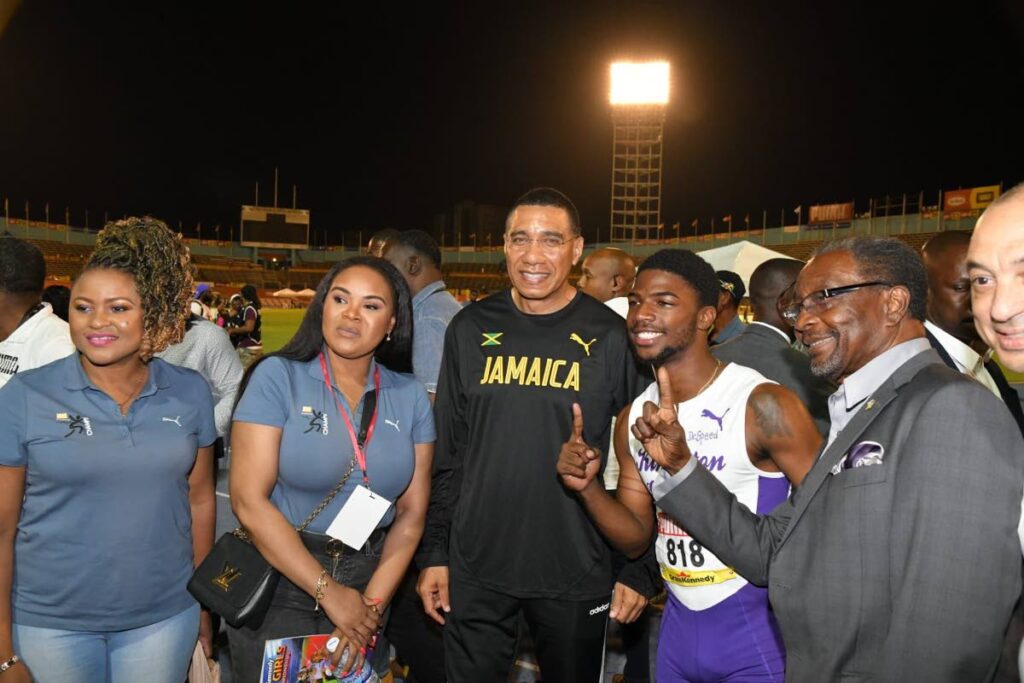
(209, 300)
(290, 448)
(608, 275)
(233, 317)
(206, 349)
(379, 241)
(417, 638)
(106, 480)
(950, 325)
(248, 330)
(418, 258)
(30, 334)
(766, 344)
(58, 297)
(728, 323)
(198, 305)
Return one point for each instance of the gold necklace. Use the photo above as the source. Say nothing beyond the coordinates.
(714, 373)
(121, 405)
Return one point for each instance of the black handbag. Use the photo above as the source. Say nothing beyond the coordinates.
(234, 580)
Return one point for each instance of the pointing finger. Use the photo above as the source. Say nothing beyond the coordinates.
(577, 422)
(665, 390)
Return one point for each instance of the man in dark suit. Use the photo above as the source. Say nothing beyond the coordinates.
(896, 559)
(950, 325)
(765, 344)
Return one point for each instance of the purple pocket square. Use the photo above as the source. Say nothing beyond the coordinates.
(864, 454)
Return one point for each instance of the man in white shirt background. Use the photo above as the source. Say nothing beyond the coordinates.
(30, 334)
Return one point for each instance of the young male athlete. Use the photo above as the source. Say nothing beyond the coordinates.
(752, 434)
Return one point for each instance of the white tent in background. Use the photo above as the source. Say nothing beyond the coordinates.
(740, 257)
(307, 293)
(287, 291)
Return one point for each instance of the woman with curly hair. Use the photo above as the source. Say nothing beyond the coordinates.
(106, 479)
(294, 440)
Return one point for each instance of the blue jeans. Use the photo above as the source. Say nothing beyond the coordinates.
(158, 653)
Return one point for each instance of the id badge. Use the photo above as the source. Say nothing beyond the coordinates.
(358, 517)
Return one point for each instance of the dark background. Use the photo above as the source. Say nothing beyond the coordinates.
(385, 116)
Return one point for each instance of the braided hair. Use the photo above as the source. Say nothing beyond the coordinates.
(146, 249)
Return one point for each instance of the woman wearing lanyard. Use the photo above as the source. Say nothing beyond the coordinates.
(295, 437)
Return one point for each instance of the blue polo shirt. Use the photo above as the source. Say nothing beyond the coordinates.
(432, 309)
(315, 447)
(104, 542)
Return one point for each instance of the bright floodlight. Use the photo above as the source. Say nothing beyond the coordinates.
(643, 83)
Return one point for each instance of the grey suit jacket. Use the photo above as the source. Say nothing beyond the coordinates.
(768, 353)
(905, 570)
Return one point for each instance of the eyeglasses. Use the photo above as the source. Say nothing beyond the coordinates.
(815, 302)
(547, 242)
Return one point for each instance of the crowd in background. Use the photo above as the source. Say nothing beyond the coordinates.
(830, 491)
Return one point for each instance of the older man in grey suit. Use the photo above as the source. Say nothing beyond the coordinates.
(896, 559)
(765, 344)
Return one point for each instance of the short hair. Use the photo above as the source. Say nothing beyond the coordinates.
(420, 242)
(548, 196)
(59, 298)
(731, 282)
(946, 240)
(382, 237)
(161, 265)
(887, 260)
(22, 267)
(697, 272)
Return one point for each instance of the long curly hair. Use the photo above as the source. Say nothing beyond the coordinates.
(146, 249)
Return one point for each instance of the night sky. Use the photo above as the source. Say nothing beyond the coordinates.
(386, 117)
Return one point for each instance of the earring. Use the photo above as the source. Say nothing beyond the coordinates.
(388, 338)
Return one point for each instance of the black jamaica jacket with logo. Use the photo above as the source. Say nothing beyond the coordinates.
(499, 516)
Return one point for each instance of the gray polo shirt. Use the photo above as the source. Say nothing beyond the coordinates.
(104, 542)
(315, 449)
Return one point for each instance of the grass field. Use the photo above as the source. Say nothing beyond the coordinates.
(279, 324)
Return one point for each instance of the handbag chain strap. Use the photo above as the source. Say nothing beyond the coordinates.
(369, 403)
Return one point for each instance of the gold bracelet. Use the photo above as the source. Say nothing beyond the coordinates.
(321, 586)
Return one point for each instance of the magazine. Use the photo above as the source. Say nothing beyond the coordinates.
(305, 659)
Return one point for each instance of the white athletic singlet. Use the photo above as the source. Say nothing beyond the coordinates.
(715, 424)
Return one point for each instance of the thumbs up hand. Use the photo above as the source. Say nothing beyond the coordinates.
(659, 431)
(578, 463)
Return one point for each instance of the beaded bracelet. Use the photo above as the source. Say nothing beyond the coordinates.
(9, 663)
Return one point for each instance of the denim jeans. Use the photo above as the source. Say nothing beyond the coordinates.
(160, 652)
(291, 612)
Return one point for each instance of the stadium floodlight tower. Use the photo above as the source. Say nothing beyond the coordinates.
(639, 97)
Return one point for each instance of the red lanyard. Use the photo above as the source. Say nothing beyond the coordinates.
(359, 452)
